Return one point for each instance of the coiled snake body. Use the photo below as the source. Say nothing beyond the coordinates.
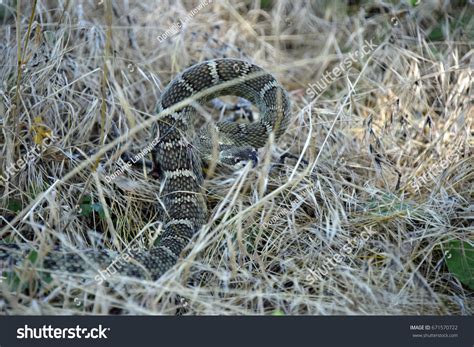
(181, 152)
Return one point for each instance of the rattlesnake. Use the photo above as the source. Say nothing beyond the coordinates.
(181, 152)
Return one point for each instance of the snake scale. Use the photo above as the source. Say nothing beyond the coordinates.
(182, 151)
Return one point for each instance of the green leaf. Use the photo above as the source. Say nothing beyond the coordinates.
(86, 200)
(437, 34)
(46, 277)
(87, 208)
(97, 207)
(14, 282)
(460, 261)
(33, 256)
(266, 4)
(278, 312)
(14, 205)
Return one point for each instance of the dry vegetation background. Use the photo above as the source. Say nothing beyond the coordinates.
(388, 147)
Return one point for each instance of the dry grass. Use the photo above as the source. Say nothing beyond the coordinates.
(91, 74)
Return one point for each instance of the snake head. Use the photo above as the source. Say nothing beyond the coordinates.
(237, 157)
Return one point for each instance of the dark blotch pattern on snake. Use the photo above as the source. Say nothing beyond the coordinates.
(180, 154)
